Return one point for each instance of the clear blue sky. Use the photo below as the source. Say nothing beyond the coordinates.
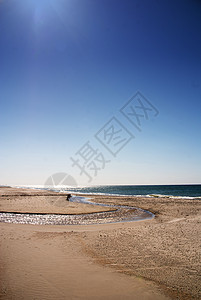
(68, 66)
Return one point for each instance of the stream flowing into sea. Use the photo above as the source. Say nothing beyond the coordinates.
(117, 213)
(120, 213)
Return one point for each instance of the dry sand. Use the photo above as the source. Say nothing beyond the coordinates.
(153, 259)
(38, 201)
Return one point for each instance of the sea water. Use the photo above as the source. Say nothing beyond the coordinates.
(182, 191)
(185, 191)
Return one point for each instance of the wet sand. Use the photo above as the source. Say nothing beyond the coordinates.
(152, 259)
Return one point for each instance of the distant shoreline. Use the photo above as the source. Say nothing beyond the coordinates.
(186, 191)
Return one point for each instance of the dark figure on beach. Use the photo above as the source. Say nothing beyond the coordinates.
(68, 197)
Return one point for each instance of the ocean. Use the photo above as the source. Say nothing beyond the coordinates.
(188, 191)
(185, 191)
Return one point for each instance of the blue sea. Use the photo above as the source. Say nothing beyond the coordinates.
(184, 191)
(188, 191)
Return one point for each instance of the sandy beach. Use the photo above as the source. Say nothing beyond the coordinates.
(151, 259)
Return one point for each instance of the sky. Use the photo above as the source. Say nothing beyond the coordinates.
(68, 71)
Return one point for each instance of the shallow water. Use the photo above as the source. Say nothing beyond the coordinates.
(117, 214)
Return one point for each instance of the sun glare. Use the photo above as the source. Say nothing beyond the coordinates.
(39, 9)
